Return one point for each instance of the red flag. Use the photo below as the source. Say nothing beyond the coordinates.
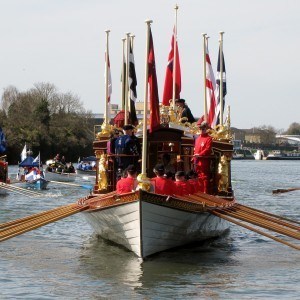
(153, 90)
(168, 88)
(210, 87)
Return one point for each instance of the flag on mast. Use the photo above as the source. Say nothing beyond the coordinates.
(218, 86)
(153, 89)
(210, 86)
(168, 88)
(132, 87)
(37, 159)
(24, 153)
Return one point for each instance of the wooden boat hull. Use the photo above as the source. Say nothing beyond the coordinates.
(62, 177)
(147, 226)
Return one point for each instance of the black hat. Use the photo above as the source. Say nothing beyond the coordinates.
(159, 168)
(131, 169)
(180, 100)
(128, 127)
(180, 173)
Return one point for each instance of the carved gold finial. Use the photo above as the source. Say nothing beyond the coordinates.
(143, 182)
(105, 130)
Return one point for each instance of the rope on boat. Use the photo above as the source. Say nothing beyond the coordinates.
(19, 226)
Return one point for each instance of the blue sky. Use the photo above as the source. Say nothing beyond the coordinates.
(63, 42)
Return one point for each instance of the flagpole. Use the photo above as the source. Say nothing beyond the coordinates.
(131, 44)
(123, 74)
(144, 149)
(106, 120)
(204, 75)
(221, 77)
(127, 77)
(175, 57)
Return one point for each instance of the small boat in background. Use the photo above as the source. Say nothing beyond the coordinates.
(279, 155)
(87, 166)
(242, 154)
(30, 173)
(260, 155)
(58, 171)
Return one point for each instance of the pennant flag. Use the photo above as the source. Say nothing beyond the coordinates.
(24, 153)
(153, 89)
(132, 87)
(2, 141)
(37, 159)
(210, 86)
(218, 86)
(109, 83)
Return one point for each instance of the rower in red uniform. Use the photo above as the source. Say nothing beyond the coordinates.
(129, 183)
(194, 182)
(181, 185)
(161, 184)
(202, 152)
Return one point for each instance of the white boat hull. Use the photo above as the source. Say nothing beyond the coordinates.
(147, 228)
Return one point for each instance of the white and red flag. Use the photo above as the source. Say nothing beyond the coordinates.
(168, 88)
(210, 86)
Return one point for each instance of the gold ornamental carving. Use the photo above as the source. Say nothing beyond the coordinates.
(102, 175)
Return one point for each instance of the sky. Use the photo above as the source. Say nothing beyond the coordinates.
(63, 42)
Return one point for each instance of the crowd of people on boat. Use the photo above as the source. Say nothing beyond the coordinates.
(59, 165)
(87, 166)
(30, 174)
(166, 181)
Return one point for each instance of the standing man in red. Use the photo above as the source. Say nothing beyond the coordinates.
(202, 155)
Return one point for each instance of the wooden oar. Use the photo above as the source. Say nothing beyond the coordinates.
(278, 191)
(88, 187)
(18, 190)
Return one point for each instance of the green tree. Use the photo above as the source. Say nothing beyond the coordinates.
(294, 129)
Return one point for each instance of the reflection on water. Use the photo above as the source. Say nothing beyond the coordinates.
(65, 260)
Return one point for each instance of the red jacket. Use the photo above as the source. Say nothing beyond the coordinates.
(203, 146)
(125, 185)
(195, 185)
(182, 188)
(163, 186)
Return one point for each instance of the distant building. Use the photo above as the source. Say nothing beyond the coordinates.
(260, 136)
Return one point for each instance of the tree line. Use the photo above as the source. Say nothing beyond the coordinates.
(47, 120)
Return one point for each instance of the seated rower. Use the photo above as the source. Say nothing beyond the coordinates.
(129, 183)
(194, 181)
(181, 185)
(161, 184)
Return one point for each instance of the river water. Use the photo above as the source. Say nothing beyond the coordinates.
(65, 260)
